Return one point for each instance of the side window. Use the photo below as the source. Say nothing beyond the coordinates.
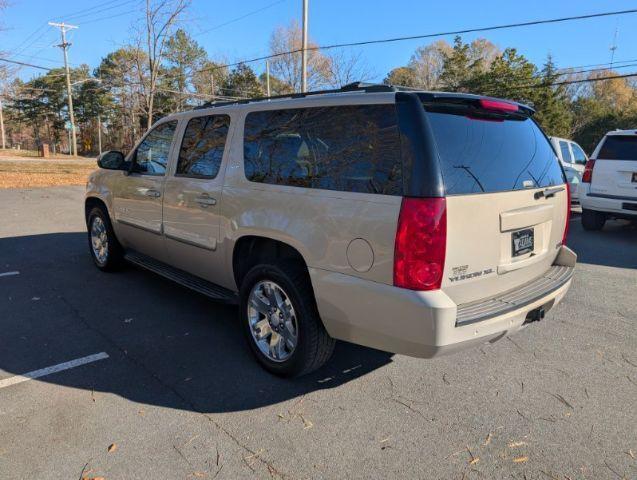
(566, 153)
(578, 154)
(151, 156)
(352, 148)
(202, 146)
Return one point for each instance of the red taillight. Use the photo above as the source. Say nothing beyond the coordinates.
(587, 177)
(421, 243)
(568, 213)
(497, 105)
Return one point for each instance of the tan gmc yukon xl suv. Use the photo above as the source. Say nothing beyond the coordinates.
(412, 222)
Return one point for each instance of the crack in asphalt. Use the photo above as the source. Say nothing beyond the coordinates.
(274, 471)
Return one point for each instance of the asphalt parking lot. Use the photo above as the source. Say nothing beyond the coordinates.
(175, 393)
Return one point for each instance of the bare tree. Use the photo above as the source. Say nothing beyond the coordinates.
(347, 67)
(288, 67)
(161, 18)
(484, 52)
(427, 64)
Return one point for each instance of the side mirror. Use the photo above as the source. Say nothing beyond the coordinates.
(111, 160)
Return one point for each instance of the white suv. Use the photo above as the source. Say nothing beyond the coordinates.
(609, 183)
(573, 158)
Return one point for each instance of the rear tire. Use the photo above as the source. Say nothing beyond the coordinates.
(593, 220)
(106, 252)
(312, 345)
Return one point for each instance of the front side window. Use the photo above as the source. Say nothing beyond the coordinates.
(566, 152)
(578, 154)
(203, 145)
(151, 157)
(354, 148)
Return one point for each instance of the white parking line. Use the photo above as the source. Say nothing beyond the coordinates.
(7, 382)
(8, 274)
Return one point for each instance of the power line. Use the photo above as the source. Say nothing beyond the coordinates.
(35, 32)
(109, 17)
(78, 12)
(601, 64)
(575, 72)
(88, 14)
(24, 64)
(585, 80)
(429, 35)
(216, 27)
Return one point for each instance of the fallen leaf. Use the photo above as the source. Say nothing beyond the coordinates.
(112, 447)
(516, 444)
(631, 453)
(306, 423)
(473, 460)
(93, 478)
(199, 474)
(520, 459)
(487, 441)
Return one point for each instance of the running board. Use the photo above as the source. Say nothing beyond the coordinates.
(181, 277)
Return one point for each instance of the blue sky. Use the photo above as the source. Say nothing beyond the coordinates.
(331, 21)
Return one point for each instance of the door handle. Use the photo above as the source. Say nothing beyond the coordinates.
(205, 200)
(152, 193)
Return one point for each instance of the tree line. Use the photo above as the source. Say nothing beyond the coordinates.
(165, 70)
(571, 103)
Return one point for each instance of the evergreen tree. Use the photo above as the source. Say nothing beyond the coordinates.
(551, 102)
(242, 82)
(183, 57)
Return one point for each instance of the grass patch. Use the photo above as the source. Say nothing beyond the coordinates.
(43, 173)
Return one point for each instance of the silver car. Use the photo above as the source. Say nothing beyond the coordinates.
(414, 222)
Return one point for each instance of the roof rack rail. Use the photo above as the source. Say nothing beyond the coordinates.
(350, 87)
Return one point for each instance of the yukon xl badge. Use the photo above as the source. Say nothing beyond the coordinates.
(460, 273)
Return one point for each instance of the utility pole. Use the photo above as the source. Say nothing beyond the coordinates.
(613, 48)
(304, 50)
(267, 78)
(64, 46)
(99, 133)
(2, 125)
(212, 86)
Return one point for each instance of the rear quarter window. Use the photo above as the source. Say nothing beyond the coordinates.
(485, 155)
(566, 152)
(619, 147)
(352, 148)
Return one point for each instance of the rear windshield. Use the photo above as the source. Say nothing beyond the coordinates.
(619, 147)
(483, 155)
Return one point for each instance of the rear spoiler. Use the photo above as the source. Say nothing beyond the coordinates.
(479, 101)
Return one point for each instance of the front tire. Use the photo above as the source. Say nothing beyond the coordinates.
(593, 220)
(106, 252)
(281, 321)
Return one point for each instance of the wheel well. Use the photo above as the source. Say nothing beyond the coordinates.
(252, 250)
(92, 202)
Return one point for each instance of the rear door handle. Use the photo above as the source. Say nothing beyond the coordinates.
(548, 192)
(205, 200)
